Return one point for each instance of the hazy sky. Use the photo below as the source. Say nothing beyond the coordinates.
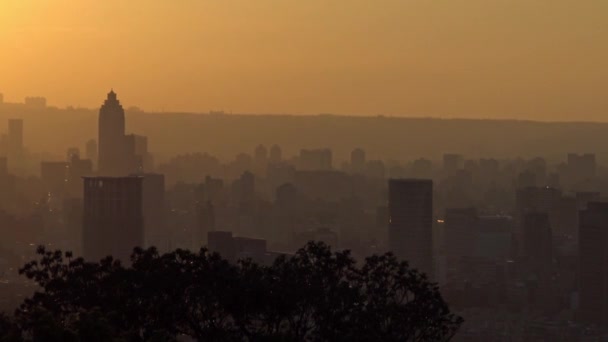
(536, 59)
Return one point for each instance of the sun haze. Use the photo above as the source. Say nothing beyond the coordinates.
(545, 60)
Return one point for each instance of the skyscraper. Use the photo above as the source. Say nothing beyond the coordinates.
(461, 225)
(593, 263)
(112, 142)
(15, 137)
(410, 205)
(113, 222)
(357, 161)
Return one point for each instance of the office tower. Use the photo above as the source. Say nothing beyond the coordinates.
(213, 189)
(315, 160)
(564, 217)
(136, 153)
(113, 222)
(537, 241)
(112, 146)
(260, 160)
(495, 238)
(533, 199)
(451, 163)
(205, 220)
(276, 154)
(357, 161)
(78, 168)
(54, 176)
(461, 227)
(35, 101)
(72, 210)
(91, 150)
(15, 138)
(593, 264)
(410, 205)
(153, 203)
(581, 166)
(3, 166)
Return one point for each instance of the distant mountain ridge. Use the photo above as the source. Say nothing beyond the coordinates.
(383, 137)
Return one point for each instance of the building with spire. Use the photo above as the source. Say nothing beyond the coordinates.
(112, 143)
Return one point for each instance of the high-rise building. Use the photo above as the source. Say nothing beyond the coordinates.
(315, 160)
(113, 222)
(260, 160)
(410, 205)
(593, 263)
(537, 241)
(581, 166)
(276, 154)
(452, 162)
(15, 137)
(461, 227)
(54, 176)
(91, 150)
(357, 161)
(153, 202)
(112, 145)
(78, 168)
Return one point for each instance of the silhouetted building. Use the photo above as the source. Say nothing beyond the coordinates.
(15, 138)
(276, 155)
(581, 167)
(452, 162)
(460, 233)
(78, 168)
(35, 101)
(410, 203)
(113, 158)
(155, 231)
(495, 238)
(91, 150)
(357, 161)
(260, 160)
(113, 221)
(537, 241)
(315, 160)
(205, 220)
(593, 264)
(54, 175)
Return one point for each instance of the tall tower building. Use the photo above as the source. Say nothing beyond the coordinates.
(461, 225)
(357, 161)
(593, 263)
(91, 150)
(112, 149)
(15, 136)
(275, 154)
(113, 222)
(410, 206)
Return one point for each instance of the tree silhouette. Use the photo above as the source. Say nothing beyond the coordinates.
(314, 295)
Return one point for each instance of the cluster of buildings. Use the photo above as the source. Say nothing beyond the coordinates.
(504, 237)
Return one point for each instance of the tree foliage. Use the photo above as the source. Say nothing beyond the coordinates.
(314, 295)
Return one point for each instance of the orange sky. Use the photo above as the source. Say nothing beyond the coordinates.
(528, 59)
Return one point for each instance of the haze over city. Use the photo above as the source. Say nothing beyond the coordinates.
(273, 170)
(538, 60)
